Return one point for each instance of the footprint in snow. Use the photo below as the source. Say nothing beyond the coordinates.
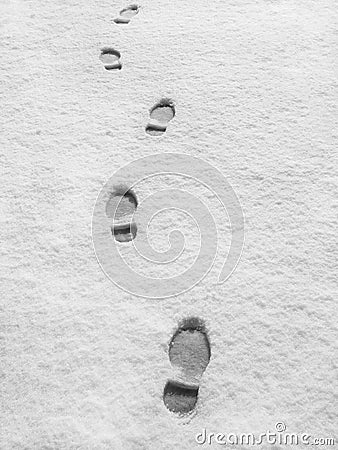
(127, 14)
(160, 115)
(110, 58)
(120, 209)
(189, 354)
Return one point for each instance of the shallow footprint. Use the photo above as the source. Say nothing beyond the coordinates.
(127, 14)
(160, 115)
(189, 353)
(120, 208)
(110, 58)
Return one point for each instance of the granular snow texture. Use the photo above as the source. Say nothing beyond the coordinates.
(255, 92)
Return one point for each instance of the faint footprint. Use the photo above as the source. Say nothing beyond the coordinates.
(189, 354)
(160, 115)
(120, 208)
(127, 14)
(110, 58)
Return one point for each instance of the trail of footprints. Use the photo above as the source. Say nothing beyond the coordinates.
(161, 113)
(189, 348)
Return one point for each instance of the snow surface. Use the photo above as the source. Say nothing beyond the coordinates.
(255, 92)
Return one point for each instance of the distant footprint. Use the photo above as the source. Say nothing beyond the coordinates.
(189, 354)
(160, 115)
(127, 14)
(110, 58)
(120, 208)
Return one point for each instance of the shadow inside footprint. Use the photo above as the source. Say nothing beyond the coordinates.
(127, 14)
(110, 58)
(120, 209)
(189, 354)
(160, 115)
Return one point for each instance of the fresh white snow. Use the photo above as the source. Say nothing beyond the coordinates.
(254, 84)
